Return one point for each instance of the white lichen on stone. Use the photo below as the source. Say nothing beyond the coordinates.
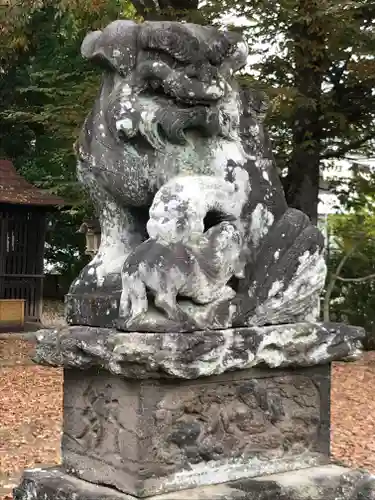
(276, 287)
(180, 206)
(298, 300)
(124, 124)
(261, 221)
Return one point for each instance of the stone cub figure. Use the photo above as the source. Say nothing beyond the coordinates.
(199, 271)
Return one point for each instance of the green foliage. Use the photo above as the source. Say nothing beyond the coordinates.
(353, 295)
(357, 194)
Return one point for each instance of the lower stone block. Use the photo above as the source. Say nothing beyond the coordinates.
(155, 436)
(328, 482)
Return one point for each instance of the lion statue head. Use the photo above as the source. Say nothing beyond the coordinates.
(167, 96)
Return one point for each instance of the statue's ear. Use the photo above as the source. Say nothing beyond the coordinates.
(114, 48)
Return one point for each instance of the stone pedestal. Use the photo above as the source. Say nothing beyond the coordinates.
(160, 416)
(151, 437)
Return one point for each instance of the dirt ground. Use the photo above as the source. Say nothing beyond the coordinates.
(30, 413)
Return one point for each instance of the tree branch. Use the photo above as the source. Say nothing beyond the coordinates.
(340, 152)
(331, 284)
(356, 280)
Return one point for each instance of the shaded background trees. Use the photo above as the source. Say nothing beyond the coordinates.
(351, 280)
(46, 89)
(315, 59)
(350, 286)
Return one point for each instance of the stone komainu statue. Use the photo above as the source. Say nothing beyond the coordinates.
(178, 163)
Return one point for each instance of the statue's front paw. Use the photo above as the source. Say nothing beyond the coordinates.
(132, 321)
(133, 302)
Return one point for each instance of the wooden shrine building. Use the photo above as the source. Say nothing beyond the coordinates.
(23, 210)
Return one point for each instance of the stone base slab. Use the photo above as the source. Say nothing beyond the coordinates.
(330, 482)
(197, 354)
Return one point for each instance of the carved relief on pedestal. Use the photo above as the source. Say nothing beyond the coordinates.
(151, 432)
(266, 419)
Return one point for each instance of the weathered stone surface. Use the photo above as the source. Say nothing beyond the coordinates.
(150, 437)
(195, 230)
(328, 482)
(197, 354)
(56, 484)
(199, 270)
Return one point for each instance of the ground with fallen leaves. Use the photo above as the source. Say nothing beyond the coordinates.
(30, 413)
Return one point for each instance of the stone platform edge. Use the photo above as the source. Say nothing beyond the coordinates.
(197, 354)
(329, 482)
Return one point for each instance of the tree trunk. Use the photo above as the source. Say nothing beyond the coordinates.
(302, 182)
